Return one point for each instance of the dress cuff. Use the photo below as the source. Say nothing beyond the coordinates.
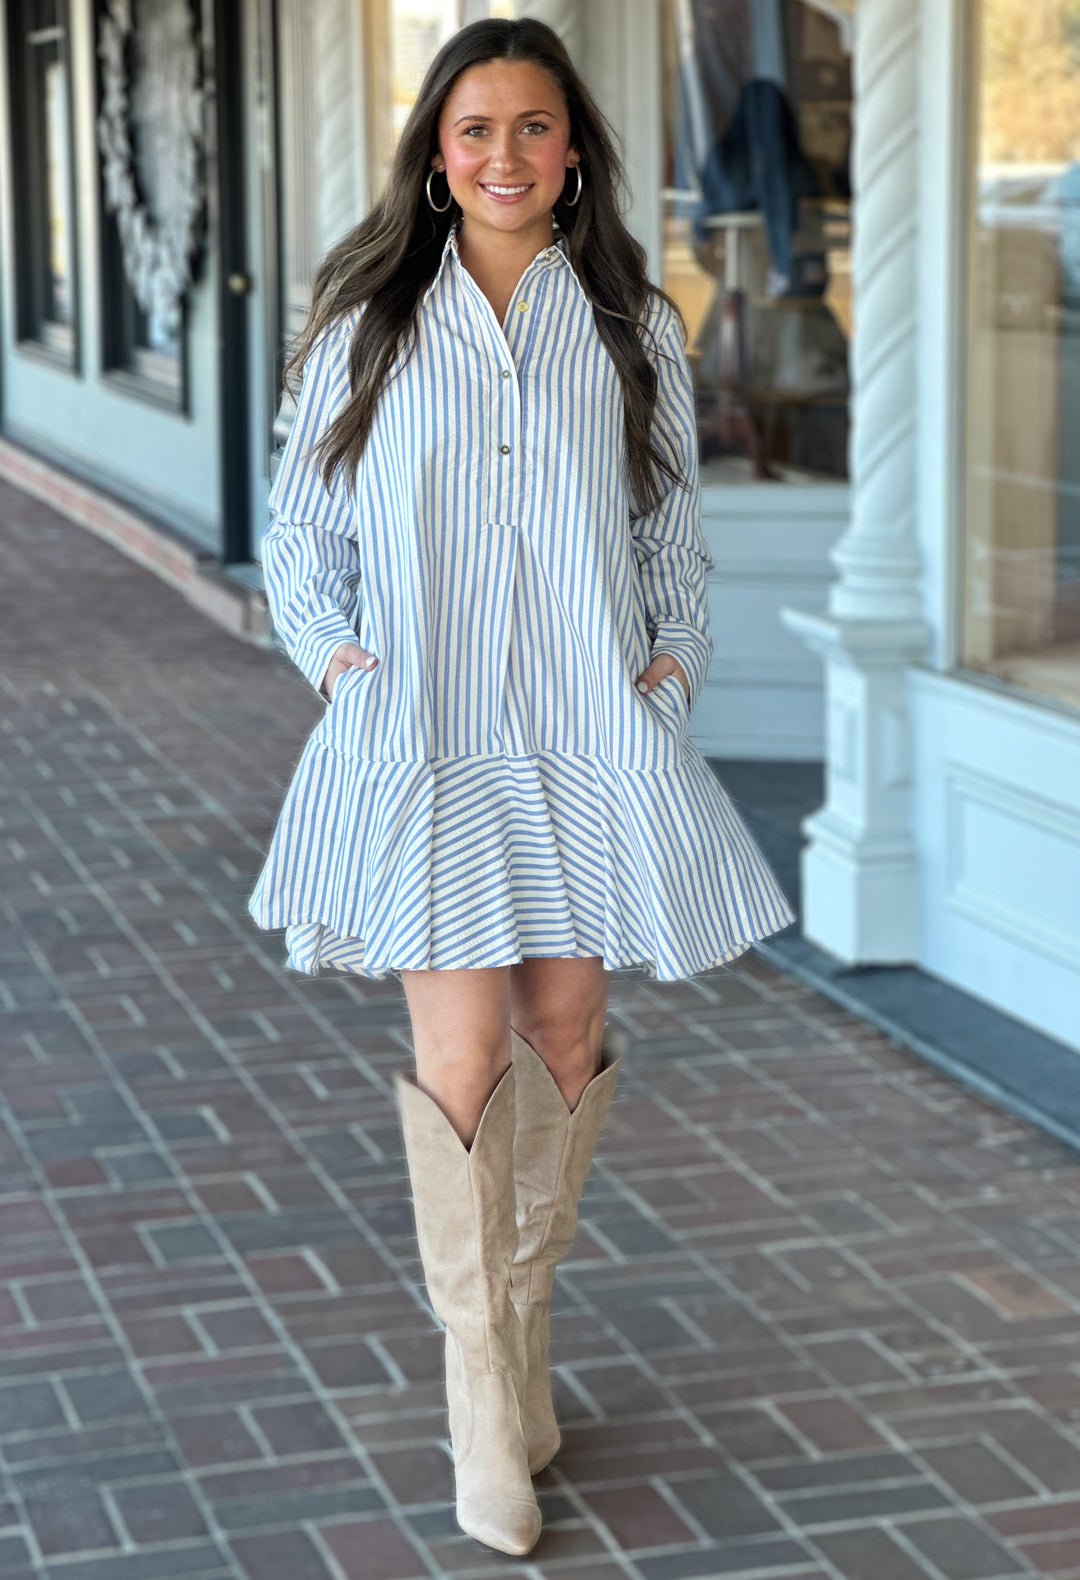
(687, 644)
(317, 646)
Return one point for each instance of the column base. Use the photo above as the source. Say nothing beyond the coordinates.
(860, 869)
(860, 902)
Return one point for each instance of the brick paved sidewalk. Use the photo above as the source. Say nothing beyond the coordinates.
(822, 1319)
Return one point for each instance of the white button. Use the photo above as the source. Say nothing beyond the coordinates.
(523, 307)
(505, 373)
(504, 449)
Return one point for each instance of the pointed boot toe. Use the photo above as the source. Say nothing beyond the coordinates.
(496, 1503)
(509, 1526)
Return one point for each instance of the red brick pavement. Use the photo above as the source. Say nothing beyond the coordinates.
(821, 1319)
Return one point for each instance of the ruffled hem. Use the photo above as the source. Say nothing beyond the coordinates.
(313, 949)
(378, 866)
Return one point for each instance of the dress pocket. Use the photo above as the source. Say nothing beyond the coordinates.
(348, 722)
(670, 691)
(340, 684)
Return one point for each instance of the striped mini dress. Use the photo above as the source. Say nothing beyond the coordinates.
(496, 787)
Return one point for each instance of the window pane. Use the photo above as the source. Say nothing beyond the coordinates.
(44, 237)
(1022, 539)
(756, 229)
(58, 306)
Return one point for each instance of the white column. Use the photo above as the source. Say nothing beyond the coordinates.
(562, 15)
(337, 120)
(859, 868)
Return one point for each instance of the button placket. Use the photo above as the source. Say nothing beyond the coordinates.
(505, 422)
(522, 319)
(505, 476)
(506, 391)
(510, 420)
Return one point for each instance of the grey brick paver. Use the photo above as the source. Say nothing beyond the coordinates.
(822, 1320)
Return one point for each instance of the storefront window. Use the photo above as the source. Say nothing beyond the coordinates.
(143, 352)
(757, 228)
(1022, 529)
(45, 243)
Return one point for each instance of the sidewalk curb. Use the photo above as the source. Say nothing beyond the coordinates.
(232, 604)
(1013, 1066)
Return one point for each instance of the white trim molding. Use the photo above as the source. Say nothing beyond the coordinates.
(973, 887)
(860, 872)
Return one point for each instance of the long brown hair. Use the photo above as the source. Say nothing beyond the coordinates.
(392, 256)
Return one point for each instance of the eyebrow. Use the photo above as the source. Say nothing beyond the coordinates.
(522, 115)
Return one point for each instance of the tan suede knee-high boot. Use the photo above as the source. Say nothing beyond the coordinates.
(465, 1222)
(553, 1152)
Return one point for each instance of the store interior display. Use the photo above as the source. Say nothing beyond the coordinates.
(757, 227)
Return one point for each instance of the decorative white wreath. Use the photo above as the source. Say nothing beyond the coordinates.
(158, 248)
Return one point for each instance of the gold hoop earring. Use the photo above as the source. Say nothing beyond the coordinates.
(572, 202)
(431, 200)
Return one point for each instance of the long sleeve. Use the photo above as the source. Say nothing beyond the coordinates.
(673, 558)
(309, 552)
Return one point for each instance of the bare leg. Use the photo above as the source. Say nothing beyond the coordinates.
(461, 1028)
(559, 1007)
(461, 1038)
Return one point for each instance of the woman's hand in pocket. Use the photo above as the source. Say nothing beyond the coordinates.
(347, 656)
(663, 664)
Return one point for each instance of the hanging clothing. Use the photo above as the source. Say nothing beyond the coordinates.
(758, 164)
(496, 787)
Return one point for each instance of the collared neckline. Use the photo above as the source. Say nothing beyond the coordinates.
(556, 252)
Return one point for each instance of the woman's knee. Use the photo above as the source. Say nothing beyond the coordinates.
(567, 1040)
(461, 1038)
(460, 1019)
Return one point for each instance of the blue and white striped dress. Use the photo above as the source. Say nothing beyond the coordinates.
(496, 787)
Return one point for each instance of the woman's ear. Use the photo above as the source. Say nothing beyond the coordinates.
(438, 162)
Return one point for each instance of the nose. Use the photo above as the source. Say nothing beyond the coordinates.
(504, 156)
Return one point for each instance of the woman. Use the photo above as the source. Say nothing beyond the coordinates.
(486, 553)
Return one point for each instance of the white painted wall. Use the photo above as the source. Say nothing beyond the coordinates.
(999, 849)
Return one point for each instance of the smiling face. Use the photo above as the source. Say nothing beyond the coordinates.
(504, 143)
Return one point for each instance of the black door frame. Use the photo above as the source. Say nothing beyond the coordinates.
(226, 86)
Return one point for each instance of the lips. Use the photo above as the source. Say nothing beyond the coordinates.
(506, 193)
